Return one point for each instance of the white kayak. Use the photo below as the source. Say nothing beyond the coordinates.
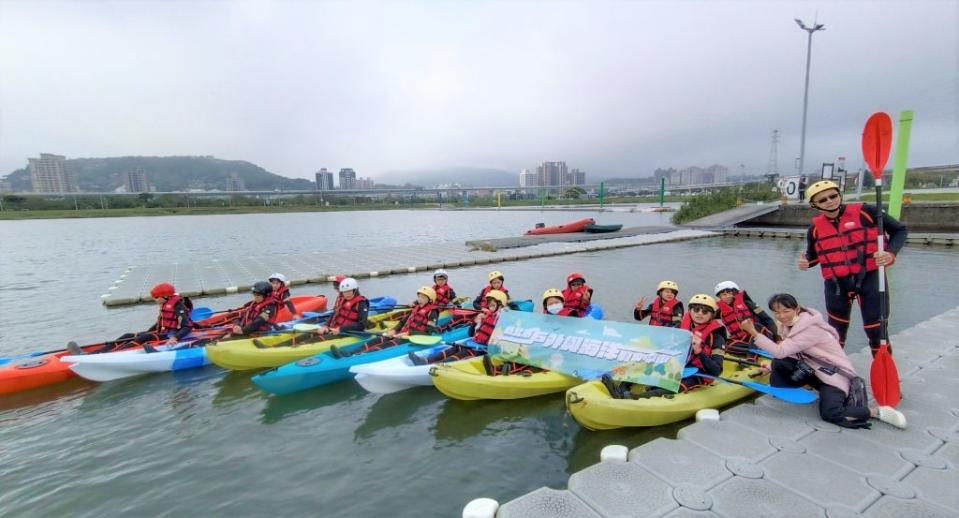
(125, 364)
(396, 374)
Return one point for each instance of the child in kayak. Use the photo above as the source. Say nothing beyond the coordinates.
(481, 331)
(421, 320)
(705, 354)
(173, 323)
(554, 303)
(281, 294)
(350, 311)
(259, 314)
(496, 280)
(444, 292)
(666, 310)
(577, 295)
(735, 307)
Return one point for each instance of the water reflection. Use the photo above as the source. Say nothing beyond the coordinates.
(281, 407)
(404, 407)
(459, 420)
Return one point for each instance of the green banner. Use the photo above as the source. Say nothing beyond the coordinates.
(899, 164)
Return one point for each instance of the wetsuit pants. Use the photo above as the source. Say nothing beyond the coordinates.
(840, 293)
(832, 400)
(129, 340)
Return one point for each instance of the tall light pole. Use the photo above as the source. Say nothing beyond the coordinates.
(805, 97)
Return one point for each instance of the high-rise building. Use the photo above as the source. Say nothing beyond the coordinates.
(364, 183)
(136, 181)
(50, 173)
(347, 178)
(5, 185)
(529, 178)
(553, 174)
(234, 183)
(324, 180)
(578, 177)
(717, 173)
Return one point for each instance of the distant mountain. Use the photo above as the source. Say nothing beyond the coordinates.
(463, 176)
(170, 173)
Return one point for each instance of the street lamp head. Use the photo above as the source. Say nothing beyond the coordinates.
(820, 27)
(800, 23)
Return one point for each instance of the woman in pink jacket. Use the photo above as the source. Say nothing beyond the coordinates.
(810, 354)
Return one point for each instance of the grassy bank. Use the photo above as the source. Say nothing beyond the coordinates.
(706, 204)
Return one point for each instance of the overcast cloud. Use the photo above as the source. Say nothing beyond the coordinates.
(615, 88)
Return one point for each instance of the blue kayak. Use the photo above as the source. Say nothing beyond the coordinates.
(324, 368)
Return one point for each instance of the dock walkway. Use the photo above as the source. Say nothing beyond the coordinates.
(770, 458)
(237, 274)
(732, 217)
(572, 237)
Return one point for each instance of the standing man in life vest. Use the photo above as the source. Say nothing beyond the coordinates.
(577, 295)
(842, 240)
(173, 324)
(260, 313)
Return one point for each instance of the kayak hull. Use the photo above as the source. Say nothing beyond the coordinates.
(396, 374)
(126, 364)
(323, 369)
(593, 407)
(566, 228)
(601, 229)
(467, 380)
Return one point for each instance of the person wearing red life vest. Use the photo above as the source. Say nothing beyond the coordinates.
(842, 240)
(665, 310)
(736, 307)
(281, 294)
(577, 295)
(496, 280)
(705, 353)
(350, 311)
(172, 324)
(444, 292)
(260, 313)
(481, 330)
(554, 303)
(421, 320)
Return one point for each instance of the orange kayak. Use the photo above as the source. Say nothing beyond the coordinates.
(38, 371)
(566, 228)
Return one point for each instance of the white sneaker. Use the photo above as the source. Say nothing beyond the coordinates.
(888, 414)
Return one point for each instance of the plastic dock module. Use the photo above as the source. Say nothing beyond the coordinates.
(770, 458)
(237, 275)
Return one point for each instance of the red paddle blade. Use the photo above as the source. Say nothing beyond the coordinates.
(884, 378)
(876, 142)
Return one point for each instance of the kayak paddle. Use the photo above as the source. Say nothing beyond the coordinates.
(800, 396)
(883, 374)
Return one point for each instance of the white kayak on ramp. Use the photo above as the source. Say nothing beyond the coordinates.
(396, 374)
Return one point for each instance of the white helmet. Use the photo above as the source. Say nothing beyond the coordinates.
(278, 276)
(725, 285)
(348, 284)
(441, 273)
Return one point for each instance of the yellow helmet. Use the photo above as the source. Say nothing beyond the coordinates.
(553, 292)
(667, 285)
(820, 186)
(494, 274)
(429, 292)
(704, 300)
(498, 296)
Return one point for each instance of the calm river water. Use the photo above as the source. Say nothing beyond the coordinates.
(207, 442)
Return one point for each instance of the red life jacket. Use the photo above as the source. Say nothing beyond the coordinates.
(733, 314)
(418, 319)
(347, 311)
(485, 329)
(486, 290)
(280, 295)
(662, 314)
(168, 319)
(706, 332)
(843, 250)
(575, 299)
(254, 310)
(442, 294)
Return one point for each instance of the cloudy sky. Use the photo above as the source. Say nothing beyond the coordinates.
(616, 88)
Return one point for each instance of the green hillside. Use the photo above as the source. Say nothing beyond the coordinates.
(171, 173)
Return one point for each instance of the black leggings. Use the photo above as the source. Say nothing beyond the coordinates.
(129, 340)
(832, 401)
(456, 352)
(840, 294)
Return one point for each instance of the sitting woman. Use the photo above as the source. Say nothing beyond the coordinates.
(810, 354)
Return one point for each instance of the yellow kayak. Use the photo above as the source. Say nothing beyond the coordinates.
(468, 380)
(245, 355)
(592, 406)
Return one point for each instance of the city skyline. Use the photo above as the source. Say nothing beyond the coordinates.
(425, 86)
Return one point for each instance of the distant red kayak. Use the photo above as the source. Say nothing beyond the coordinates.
(566, 228)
